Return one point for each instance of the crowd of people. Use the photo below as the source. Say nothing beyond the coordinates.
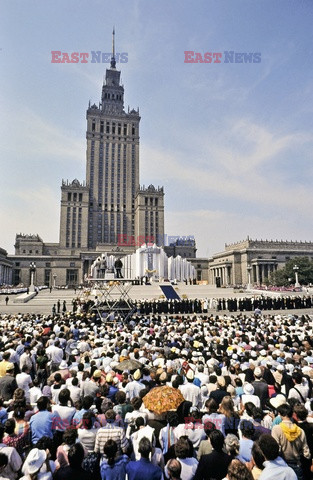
(74, 392)
(186, 306)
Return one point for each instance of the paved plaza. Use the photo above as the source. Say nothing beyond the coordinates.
(44, 301)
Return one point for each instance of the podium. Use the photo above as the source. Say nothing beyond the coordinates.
(113, 296)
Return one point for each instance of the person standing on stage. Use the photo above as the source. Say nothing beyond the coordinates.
(118, 264)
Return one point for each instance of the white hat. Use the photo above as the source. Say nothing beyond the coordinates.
(257, 372)
(190, 375)
(34, 461)
(278, 400)
(248, 389)
(137, 374)
(63, 365)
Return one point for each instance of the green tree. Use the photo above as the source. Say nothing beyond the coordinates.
(305, 272)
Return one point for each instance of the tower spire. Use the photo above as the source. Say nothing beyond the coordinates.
(113, 62)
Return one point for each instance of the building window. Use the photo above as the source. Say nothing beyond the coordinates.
(71, 277)
(16, 276)
(47, 277)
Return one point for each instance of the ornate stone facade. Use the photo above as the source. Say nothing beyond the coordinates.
(260, 257)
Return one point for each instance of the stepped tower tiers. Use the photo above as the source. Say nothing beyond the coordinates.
(112, 163)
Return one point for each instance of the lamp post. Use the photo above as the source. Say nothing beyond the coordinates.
(296, 269)
(32, 268)
(249, 268)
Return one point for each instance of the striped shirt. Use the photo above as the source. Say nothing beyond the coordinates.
(111, 432)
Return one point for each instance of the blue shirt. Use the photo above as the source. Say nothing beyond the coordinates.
(79, 416)
(3, 415)
(277, 469)
(116, 471)
(43, 424)
(112, 392)
(245, 446)
(143, 470)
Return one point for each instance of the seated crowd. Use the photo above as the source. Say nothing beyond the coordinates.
(69, 411)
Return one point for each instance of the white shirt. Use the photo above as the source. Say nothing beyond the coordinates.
(34, 394)
(303, 389)
(191, 393)
(55, 354)
(251, 398)
(75, 393)
(24, 381)
(147, 432)
(194, 431)
(25, 360)
(41, 476)
(14, 462)
(133, 389)
(130, 419)
(55, 393)
(188, 467)
(66, 415)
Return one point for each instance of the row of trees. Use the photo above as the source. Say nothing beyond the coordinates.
(286, 275)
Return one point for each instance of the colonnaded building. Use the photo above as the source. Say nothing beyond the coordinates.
(255, 258)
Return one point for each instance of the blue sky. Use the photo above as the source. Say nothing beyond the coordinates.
(231, 143)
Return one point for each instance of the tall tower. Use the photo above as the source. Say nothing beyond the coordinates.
(112, 162)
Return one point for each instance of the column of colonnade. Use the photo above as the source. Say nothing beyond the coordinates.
(5, 275)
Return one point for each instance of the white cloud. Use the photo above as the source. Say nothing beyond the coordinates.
(239, 172)
(39, 138)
